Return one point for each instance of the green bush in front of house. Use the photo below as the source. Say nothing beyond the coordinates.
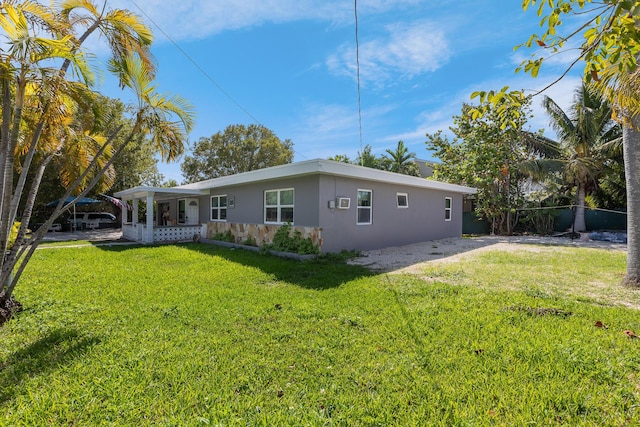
(288, 240)
(224, 237)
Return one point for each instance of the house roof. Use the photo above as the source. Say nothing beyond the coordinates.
(308, 167)
(326, 167)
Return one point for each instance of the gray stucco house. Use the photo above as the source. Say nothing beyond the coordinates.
(338, 205)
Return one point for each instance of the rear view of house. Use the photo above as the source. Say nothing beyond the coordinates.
(338, 205)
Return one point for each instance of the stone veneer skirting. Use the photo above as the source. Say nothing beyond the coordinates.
(261, 233)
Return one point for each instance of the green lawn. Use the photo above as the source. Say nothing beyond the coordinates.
(200, 335)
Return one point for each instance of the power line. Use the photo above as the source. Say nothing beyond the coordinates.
(199, 68)
(355, 12)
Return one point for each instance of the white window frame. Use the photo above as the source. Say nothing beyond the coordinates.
(218, 208)
(370, 207)
(448, 211)
(278, 206)
(406, 199)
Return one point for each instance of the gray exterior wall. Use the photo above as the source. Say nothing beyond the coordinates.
(249, 201)
(423, 220)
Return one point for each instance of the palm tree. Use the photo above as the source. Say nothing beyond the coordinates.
(400, 160)
(621, 87)
(585, 135)
(41, 110)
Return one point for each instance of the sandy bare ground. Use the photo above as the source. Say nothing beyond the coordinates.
(409, 258)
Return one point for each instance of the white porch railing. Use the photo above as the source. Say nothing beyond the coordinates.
(129, 232)
(175, 233)
(164, 233)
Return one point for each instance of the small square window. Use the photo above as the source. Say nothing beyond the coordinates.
(402, 200)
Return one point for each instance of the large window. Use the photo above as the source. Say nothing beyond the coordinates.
(219, 208)
(278, 206)
(364, 207)
(447, 208)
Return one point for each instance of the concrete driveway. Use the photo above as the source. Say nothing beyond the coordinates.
(104, 234)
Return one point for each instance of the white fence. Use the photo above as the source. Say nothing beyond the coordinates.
(165, 233)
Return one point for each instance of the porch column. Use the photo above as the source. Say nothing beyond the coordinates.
(123, 215)
(149, 235)
(134, 217)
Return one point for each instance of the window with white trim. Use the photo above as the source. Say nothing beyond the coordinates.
(278, 206)
(402, 200)
(447, 208)
(364, 207)
(219, 207)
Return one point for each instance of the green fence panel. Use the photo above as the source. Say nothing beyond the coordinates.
(594, 219)
(563, 220)
(601, 220)
(471, 224)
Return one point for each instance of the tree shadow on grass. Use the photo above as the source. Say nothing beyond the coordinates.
(314, 274)
(317, 274)
(60, 346)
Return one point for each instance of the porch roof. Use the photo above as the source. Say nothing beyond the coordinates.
(142, 192)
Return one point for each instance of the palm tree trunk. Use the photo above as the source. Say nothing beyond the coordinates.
(631, 149)
(579, 224)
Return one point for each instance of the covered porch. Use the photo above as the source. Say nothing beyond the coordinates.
(172, 214)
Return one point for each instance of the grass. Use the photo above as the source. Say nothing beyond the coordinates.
(201, 335)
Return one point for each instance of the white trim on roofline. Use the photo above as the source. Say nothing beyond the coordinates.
(325, 167)
(142, 191)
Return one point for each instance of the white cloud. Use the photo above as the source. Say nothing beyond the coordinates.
(406, 51)
(195, 19)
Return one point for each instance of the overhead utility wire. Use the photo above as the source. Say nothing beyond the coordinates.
(355, 12)
(195, 64)
(199, 68)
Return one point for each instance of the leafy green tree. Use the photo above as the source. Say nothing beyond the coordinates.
(610, 47)
(586, 135)
(369, 160)
(401, 160)
(486, 156)
(137, 164)
(342, 158)
(238, 149)
(44, 113)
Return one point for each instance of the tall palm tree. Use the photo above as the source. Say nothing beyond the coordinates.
(40, 109)
(621, 87)
(400, 160)
(584, 135)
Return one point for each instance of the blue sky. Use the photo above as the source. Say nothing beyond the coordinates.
(291, 66)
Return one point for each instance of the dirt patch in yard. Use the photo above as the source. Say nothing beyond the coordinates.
(409, 258)
(416, 258)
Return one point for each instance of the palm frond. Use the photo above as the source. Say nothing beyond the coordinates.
(559, 120)
(539, 169)
(541, 145)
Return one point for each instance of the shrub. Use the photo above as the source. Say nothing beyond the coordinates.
(250, 241)
(286, 241)
(224, 237)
